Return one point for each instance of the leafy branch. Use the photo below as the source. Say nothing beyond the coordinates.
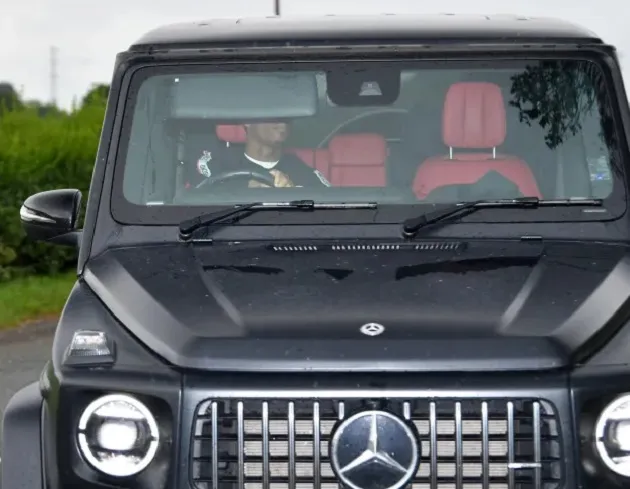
(557, 95)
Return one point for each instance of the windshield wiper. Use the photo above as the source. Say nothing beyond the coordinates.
(411, 226)
(188, 227)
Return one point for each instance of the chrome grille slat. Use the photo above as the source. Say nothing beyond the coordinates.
(265, 444)
(241, 446)
(465, 444)
(433, 433)
(510, 453)
(215, 445)
(291, 419)
(537, 447)
(317, 466)
(459, 446)
(485, 445)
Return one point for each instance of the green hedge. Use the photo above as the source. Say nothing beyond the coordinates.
(42, 153)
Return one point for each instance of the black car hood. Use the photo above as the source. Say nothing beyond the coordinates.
(443, 306)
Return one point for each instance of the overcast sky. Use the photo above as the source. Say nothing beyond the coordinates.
(86, 48)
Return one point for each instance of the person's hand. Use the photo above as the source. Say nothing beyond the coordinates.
(257, 184)
(281, 180)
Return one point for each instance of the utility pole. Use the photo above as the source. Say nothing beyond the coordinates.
(54, 51)
(276, 7)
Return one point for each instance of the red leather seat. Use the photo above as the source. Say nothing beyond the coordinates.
(473, 119)
(358, 160)
(231, 134)
(315, 158)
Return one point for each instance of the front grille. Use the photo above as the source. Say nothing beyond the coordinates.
(465, 444)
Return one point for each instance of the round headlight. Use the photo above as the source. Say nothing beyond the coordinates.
(118, 435)
(612, 435)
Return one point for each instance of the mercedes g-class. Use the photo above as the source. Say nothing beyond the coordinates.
(363, 252)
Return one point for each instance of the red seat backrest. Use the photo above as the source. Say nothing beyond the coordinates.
(318, 159)
(473, 118)
(358, 160)
(232, 134)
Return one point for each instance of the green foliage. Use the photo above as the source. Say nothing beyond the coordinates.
(9, 98)
(42, 150)
(97, 95)
(557, 95)
(33, 298)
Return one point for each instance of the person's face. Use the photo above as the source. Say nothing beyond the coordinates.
(268, 133)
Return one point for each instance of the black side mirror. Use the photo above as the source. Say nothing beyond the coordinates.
(52, 216)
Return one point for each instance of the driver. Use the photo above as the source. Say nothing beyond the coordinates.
(264, 153)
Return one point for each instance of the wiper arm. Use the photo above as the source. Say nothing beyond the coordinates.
(411, 226)
(188, 227)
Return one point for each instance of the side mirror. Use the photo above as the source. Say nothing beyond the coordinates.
(52, 216)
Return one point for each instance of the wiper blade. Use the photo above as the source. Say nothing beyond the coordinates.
(413, 225)
(188, 227)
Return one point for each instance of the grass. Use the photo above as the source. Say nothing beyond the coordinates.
(33, 298)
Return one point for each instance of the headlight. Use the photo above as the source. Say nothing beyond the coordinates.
(612, 435)
(118, 435)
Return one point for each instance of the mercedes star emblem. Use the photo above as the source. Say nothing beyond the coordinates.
(374, 450)
(372, 329)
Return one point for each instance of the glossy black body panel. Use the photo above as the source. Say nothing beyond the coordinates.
(68, 390)
(22, 464)
(85, 311)
(255, 307)
(366, 29)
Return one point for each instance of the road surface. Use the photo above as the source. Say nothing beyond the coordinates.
(23, 353)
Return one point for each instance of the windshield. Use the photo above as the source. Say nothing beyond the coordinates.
(399, 134)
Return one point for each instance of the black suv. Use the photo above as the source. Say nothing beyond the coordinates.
(362, 252)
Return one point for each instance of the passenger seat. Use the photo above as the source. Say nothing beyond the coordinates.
(473, 120)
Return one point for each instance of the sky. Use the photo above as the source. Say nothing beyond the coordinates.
(86, 48)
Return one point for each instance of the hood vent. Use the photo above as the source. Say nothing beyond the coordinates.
(349, 247)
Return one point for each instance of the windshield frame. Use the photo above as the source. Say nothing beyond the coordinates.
(127, 213)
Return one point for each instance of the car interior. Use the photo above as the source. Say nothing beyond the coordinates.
(445, 129)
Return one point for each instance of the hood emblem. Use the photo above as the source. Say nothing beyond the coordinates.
(374, 449)
(372, 329)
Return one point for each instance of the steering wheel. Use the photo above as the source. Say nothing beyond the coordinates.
(356, 118)
(239, 174)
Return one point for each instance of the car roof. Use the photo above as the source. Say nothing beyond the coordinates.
(391, 28)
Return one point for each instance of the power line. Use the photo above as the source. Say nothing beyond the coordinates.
(54, 51)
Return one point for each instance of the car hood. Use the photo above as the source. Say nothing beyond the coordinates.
(295, 307)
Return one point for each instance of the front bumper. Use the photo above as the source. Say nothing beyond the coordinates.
(261, 432)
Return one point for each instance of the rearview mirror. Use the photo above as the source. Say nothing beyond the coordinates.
(52, 216)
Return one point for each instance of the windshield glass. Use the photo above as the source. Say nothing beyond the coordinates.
(397, 133)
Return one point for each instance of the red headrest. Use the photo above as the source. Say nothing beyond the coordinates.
(231, 133)
(358, 149)
(474, 116)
